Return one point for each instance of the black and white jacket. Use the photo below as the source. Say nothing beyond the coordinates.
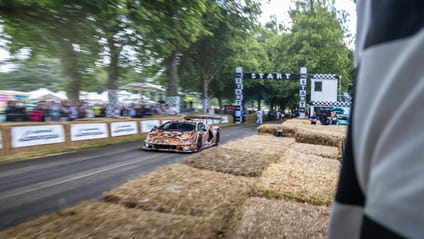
(381, 187)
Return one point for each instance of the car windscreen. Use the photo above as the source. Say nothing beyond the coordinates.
(177, 126)
(342, 117)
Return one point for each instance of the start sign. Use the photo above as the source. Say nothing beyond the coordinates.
(267, 76)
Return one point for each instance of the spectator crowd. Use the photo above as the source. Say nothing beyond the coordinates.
(65, 111)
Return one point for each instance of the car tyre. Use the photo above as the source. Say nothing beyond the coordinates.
(217, 138)
(199, 145)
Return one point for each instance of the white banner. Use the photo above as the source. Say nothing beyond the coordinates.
(88, 131)
(224, 119)
(36, 135)
(123, 128)
(148, 125)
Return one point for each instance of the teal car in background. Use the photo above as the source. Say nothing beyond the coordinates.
(342, 119)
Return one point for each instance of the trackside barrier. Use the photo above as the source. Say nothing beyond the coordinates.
(19, 137)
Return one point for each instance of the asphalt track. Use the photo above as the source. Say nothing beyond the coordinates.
(31, 188)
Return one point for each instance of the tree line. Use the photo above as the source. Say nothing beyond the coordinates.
(186, 45)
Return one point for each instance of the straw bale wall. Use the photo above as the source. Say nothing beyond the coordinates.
(261, 144)
(301, 177)
(180, 189)
(231, 161)
(108, 220)
(270, 218)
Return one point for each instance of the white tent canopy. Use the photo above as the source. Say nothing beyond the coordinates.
(44, 94)
(124, 96)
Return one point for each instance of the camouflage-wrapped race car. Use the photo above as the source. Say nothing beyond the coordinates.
(182, 136)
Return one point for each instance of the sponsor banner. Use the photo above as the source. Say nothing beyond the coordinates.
(88, 131)
(148, 125)
(224, 119)
(123, 128)
(37, 135)
(209, 121)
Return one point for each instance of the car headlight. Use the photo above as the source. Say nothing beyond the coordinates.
(186, 148)
(187, 142)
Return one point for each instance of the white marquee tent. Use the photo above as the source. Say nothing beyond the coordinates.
(44, 94)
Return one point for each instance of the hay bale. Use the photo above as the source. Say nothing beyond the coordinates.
(261, 145)
(318, 150)
(292, 126)
(106, 220)
(264, 218)
(301, 177)
(268, 128)
(320, 137)
(180, 189)
(231, 161)
(296, 121)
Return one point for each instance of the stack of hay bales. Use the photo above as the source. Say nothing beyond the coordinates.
(270, 218)
(318, 150)
(248, 157)
(293, 199)
(304, 132)
(183, 190)
(107, 220)
(301, 177)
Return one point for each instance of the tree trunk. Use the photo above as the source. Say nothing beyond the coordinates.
(113, 106)
(172, 91)
(205, 104)
(71, 71)
(73, 89)
(172, 74)
(220, 103)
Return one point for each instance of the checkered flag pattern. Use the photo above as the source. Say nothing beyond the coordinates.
(174, 100)
(331, 103)
(324, 76)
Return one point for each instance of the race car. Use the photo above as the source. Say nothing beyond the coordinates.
(182, 136)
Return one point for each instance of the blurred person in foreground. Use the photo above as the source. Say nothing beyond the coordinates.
(381, 187)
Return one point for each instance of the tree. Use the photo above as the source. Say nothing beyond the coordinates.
(35, 74)
(314, 41)
(229, 23)
(58, 29)
(174, 26)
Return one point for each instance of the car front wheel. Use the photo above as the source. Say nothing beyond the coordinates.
(199, 145)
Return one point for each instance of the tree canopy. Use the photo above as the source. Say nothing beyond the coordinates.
(189, 46)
